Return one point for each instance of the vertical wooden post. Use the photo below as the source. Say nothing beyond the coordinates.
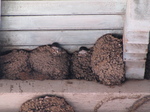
(0, 12)
(136, 37)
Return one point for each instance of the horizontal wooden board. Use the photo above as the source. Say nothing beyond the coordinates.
(48, 37)
(69, 48)
(63, 7)
(135, 48)
(137, 37)
(134, 56)
(135, 69)
(135, 73)
(135, 63)
(62, 22)
(70, 0)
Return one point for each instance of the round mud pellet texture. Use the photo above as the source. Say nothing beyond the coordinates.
(147, 68)
(46, 104)
(81, 65)
(107, 60)
(14, 65)
(50, 62)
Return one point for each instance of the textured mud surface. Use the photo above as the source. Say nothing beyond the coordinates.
(81, 65)
(44, 62)
(48, 62)
(14, 65)
(46, 104)
(107, 60)
(147, 68)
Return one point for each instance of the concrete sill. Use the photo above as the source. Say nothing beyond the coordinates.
(84, 96)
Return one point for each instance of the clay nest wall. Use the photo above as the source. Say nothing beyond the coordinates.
(46, 104)
(102, 63)
(107, 60)
(44, 62)
(81, 65)
(14, 65)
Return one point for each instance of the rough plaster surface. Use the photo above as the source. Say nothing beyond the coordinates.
(84, 96)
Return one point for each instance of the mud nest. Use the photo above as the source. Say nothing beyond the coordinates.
(107, 60)
(147, 68)
(49, 62)
(81, 65)
(46, 104)
(14, 65)
(45, 62)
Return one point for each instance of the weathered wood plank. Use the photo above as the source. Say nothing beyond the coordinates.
(63, 7)
(134, 56)
(48, 37)
(135, 69)
(69, 48)
(62, 22)
(137, 37)
(135, 64)
(135, 48)
(135, 73)
(70, 0)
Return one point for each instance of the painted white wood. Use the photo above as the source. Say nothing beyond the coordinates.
(70, 0)
(136, 35)
(135, 69)
(63, 7)
(135, 73)
(136, 48)
(48, 37)
(139, 19)
(134, 56)
(135, 63)
(62, 22)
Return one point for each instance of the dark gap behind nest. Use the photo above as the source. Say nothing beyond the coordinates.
(147, 65)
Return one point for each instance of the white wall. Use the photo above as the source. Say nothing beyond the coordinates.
(72, 23)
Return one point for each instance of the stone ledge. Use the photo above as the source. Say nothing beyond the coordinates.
(84, 96)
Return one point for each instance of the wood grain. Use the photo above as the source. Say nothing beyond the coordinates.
(136, 48)
(63, 7)
(48, 37)
(62, 22)
(134, 56)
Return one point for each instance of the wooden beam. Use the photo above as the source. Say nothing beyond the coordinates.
(63, 7)
(136, 36)
(48, 37)
(62, 22)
